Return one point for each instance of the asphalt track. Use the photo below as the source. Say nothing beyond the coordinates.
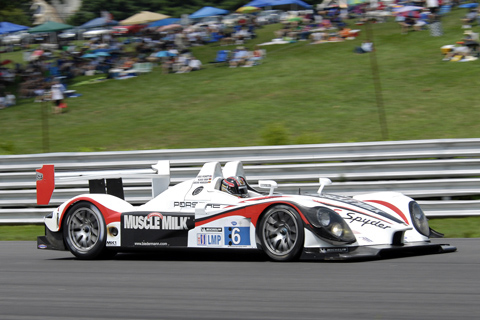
(39, 284)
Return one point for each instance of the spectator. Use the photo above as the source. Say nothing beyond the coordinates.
(10, 99)
(193, 65)
(435, 24)
(469, 18)
(256, 56)
(367, 46)
(408, 23)
(239, 57)
(57, 96)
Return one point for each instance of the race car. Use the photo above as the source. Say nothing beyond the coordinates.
(219, 209)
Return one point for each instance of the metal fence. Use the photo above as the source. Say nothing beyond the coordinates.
(432, 171)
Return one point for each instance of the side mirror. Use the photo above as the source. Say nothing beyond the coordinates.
(323, 182)
(267, 184)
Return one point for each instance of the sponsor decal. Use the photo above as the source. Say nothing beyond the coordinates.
(197, 191)
(212, 229)
(42, 246)
(203, 179)
(154, 229)
(111, 243)
(206, 239)
(183, 204)
(352, 217)
(333, 250)
(234, 223)
(237, 236)
(155, 221)
(362, 205)
(151, 244)
(39, 176)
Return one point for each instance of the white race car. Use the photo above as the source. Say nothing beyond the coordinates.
(219, 209)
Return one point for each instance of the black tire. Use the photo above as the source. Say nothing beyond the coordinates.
(84, 232)
(281, 233)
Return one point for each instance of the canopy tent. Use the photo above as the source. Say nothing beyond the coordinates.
(258, 3)
(272, 3)
(98, 22)
(338, 3)
(208, 12)
(164, 22)
(143, 17)
(7, 27)
(50, 26)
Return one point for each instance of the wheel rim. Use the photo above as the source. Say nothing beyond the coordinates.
(83, 229)
(280, 232)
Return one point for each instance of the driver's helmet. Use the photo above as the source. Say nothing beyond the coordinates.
(235, 186)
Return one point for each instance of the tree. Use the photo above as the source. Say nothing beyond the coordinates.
(15, 12)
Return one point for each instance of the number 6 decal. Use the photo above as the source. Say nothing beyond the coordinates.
(237, 236)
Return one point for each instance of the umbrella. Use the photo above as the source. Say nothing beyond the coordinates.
(413, 14)
(468, 5)
(355, 2)
(170, 27)
(162, 54)
(297, 19)
(143, 17)
(164, 22)
(207, 12)
(248, 9)
(37, 53)
(407, 8)
(102, 54)
(98, 22)
(89, 55)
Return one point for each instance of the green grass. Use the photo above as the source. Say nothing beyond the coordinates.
(451, 227)
(317, 93)
(21, 232)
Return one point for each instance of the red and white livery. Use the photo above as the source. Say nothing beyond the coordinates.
(219, 209)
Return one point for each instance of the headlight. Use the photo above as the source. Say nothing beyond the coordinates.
(337, 229)
(331, 226)
(323, 217)
(419, 219)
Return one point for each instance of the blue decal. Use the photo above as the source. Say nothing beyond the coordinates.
(205, 239)
(237, 236)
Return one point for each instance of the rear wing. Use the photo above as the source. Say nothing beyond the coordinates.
(108, 183)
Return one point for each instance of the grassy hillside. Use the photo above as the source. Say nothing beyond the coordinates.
(302, 93)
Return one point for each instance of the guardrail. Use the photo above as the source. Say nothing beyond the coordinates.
(421, 169)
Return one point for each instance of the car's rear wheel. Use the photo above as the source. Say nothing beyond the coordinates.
(84, 231)
(281, 233)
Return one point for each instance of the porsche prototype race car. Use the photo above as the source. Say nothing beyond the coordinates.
(219, 209)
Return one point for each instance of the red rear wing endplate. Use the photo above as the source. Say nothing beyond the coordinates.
(45, 183)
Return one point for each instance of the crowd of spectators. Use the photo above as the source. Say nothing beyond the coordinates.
(116, 57)
(171, 49)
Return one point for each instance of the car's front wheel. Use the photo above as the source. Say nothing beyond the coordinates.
(281, 233)
(84, 231)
